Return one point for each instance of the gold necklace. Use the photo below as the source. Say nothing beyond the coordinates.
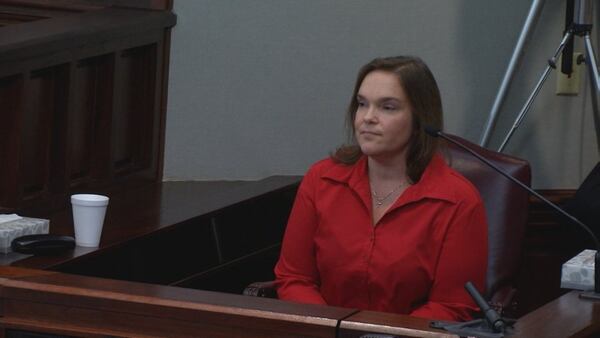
(379, 200)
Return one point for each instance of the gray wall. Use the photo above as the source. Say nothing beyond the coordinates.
(259, 87)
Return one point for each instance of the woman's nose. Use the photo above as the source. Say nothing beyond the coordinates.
(370, 115)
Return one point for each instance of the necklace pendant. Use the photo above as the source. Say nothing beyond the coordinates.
(379, 200)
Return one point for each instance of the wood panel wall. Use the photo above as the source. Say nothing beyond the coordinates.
(549, 242)
(82, 96)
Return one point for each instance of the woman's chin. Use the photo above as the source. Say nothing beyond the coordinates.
(370, 151)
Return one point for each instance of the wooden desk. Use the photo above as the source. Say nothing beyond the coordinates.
(365, 322)
(567, 316)
(225, 228)
(218, 236)
(56, 303)
(165, 245)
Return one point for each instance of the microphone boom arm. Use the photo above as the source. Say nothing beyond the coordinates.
(514, 180)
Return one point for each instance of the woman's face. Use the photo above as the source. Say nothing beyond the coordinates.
(384, 120)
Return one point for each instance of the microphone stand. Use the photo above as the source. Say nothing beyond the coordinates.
(491, 326)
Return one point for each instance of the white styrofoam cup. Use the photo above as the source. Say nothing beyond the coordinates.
(88, 218)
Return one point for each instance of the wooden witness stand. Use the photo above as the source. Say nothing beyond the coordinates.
(83, 87)
(35, 300)
(60, 304)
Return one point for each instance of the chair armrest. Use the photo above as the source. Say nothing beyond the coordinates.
(261, 289)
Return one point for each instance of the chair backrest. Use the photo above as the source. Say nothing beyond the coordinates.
(506, 207)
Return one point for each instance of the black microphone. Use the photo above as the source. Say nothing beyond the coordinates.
(493, 318)
(492, 326)
(596, 295)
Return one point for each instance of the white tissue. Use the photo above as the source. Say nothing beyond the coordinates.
(9, 218)
(578, 272)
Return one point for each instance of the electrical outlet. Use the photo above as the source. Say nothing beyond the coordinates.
(569, 85)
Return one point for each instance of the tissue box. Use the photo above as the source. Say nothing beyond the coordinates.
(578, 272)
(21, 227)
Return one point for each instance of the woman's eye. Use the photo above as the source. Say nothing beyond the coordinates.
(362, 103)
(389, 107)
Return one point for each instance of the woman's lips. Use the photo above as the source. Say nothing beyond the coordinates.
(366, 132)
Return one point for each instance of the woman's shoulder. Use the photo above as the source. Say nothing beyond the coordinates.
(330, 169)
(462, 186)
(325, 165)
(458, 185)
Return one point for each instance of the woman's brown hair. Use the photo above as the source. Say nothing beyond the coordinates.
(422, 91)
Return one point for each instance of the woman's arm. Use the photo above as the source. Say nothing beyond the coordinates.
(297, 277)
(463, 258)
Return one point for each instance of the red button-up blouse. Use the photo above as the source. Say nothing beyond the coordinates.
(415, 260)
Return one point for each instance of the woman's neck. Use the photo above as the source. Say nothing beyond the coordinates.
(387, 169)
(387, 180)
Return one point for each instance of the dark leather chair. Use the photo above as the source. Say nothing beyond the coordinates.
(506, 206)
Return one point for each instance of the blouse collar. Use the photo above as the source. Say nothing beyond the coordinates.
(432, 184)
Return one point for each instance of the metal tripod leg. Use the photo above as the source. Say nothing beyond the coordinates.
(590, 61)
(534, 11)
(536, 90)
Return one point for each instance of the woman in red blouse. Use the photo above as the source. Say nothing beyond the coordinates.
(385, 224)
